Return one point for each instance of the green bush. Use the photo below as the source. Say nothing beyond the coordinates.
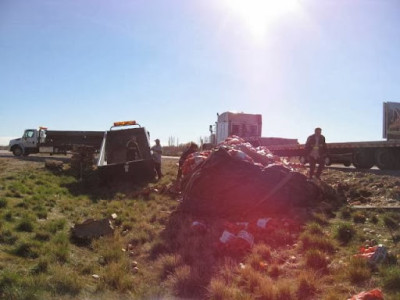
(359, 217)
(25, 225)
(344, 233)
(3, 202)
(26, 249)
(323, 243)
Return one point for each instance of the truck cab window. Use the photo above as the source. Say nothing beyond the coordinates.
(29, 134)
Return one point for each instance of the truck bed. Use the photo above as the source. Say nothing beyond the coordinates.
(57, 138)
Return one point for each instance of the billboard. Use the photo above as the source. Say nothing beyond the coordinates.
(391, 120)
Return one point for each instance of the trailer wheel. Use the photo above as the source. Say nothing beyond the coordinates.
(17, 151)
(386, 159)
(363, 159)
(347, 164)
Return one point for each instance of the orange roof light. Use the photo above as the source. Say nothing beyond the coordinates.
(124, 123)
(42, 128)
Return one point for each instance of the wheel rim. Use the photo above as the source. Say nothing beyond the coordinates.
(17, 151)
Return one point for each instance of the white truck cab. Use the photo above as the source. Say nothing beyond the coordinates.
(25, 144)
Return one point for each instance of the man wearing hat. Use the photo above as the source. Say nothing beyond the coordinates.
(157, 151)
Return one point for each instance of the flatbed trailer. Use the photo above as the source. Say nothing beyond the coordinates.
(363, 155)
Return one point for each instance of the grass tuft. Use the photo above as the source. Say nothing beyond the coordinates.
(316, 260)
(344, 233)
(391, 278)
(358, 270)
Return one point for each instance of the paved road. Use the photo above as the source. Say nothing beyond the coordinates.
(339, 167)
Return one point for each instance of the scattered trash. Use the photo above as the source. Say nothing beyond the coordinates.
(91, 228)
(95, 276)
(242, 266)
(375, 294)
(114, 216)
(262, 223)
(54, 165)
(199, 227)
(134, 263)
(375, 254)
(135, 270)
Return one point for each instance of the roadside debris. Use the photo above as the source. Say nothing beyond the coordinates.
(375, 294)
(54, 165)
(375, 254)
(91, 228)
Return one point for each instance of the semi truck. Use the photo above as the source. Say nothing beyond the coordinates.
(53, 141)
(384, 154)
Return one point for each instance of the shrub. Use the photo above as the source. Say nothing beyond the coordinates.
(63, 281)
(344, 233)
(26, 249)
(168, 265)
(345, 213)
(320, 219)
(7, 237)
(390, 222)
(310, 241)
(391, 278)
(218, 290)
(117, 276)
(184, 282)
(316, 260)
(284, 291)
(3, 202)
(8, 216)
(42, 236)
(314, 228)
(306, 288)
(359, 217)
(55, 225)
(25, 224)
(358, 270)
(40, 267)
(374, 219)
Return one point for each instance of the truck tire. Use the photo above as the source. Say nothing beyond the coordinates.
(17, 151)
(347, 164)
(386, 159)
(363, 159)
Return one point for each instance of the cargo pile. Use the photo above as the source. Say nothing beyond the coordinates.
(237, 179)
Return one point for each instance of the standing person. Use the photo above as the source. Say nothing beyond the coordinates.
(316, 152)
(132, 150)
(191, 149)
(157, 151)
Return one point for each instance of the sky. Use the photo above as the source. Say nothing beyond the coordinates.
(172, 65)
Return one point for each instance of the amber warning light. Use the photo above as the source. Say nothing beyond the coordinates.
(42, 128)
(124, 123)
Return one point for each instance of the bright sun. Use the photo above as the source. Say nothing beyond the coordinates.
(258, 15)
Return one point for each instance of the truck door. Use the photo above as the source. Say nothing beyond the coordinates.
(29, 139)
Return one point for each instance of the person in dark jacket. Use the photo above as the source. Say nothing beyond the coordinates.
(191, 149)
(316, 152)
(132, 150)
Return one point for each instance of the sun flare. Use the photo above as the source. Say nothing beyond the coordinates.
(258, 15)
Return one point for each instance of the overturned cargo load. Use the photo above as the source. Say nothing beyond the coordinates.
(237, 180)
(125, 154)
